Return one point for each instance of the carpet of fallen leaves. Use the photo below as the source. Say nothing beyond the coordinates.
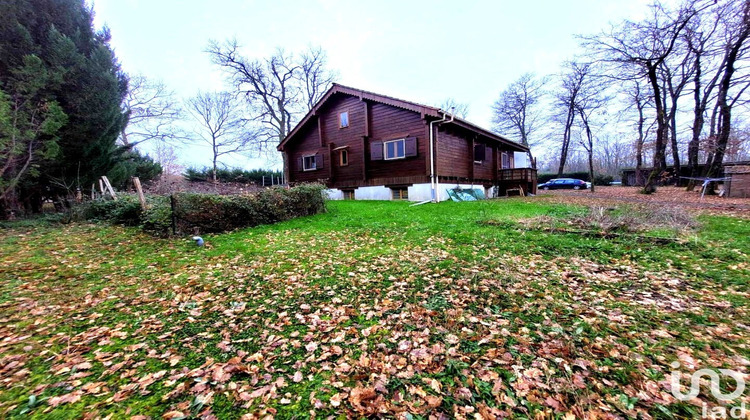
(664, 196)
(105, 322)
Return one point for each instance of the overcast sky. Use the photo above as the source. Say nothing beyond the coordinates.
(423, 51)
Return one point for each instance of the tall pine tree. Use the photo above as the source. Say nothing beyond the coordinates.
(81, 75)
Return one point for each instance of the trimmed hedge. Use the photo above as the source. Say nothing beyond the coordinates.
(603, 179)
(216, 213)
(208, 212)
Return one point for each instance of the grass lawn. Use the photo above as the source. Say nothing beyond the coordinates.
(374, 308)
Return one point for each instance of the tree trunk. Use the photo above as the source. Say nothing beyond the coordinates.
(566, 141)
(589, 149)
(675, 147)
(216, 157)
(639, 147)
(725, 115)
(662, 132)
(714, 167)
(591, 168)
(697, 126)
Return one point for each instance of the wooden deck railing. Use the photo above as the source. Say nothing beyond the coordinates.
(517, 174)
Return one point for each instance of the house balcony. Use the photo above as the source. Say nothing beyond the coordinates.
(518, 180)
(517, 175)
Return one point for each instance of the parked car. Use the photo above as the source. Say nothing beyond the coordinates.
(616, 183)
(564, 183)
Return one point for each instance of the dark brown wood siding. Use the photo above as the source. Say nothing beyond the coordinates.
(349, 137)
(308, 144)
(390, 123)
(484, 169)
(454, 154)
(371, 123)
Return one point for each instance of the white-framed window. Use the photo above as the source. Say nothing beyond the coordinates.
(344, 120)
(505, 161)
(308, 163)
(394, 149)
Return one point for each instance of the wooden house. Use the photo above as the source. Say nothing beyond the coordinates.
(363, 145)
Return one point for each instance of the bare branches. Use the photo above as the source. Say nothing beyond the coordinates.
(221, 124)
(277, 88)
(517, 109)
(737, 34)
(461, 110)
(152, 112)
(640, 49)
(315, 77)
(567, 97)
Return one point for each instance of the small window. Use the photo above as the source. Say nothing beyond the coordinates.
(394, 149)
(348, 194)
(344, 120)
(479, 153)
(308, 163)
(344, 157)
(505, 161)
(400, 193)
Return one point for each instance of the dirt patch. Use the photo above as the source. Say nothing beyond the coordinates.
(634, 222)
(664, 197)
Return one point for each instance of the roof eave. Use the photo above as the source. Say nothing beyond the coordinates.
(423, 110)
(492, 136)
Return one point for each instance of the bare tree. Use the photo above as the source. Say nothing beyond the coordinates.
(278, 89)
(675, 76)
(641, 48)
(151, 111)
(222, 125)
(517, 111)
(736, 36)
(459, 109)
(316, 78)
(171, 173)
(612, 154)
(566, 100)
(701, 43)
(589, 105)
(640, 99)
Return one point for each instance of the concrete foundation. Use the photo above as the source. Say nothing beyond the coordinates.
(417, 192)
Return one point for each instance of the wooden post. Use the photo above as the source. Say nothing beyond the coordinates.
(139, 190)
(101, 187)
(93, 191)
(109, 187)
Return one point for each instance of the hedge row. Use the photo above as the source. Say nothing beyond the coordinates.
(208, 212)
(216, 213)
(255, 176)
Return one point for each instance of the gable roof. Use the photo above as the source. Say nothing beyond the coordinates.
(424, 110)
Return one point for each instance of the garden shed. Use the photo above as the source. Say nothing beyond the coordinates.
(739, 185)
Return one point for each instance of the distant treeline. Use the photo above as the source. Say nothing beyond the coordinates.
(255, 176)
